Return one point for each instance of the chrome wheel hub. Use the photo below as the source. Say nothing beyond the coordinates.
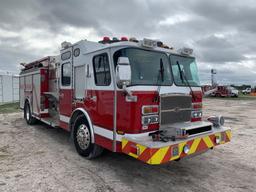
(83, 137)
(27, 114)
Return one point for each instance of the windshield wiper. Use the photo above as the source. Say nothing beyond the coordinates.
(180, 71)
(161, 71)
(183, 77)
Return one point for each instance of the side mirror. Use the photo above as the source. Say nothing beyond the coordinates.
(123, 71)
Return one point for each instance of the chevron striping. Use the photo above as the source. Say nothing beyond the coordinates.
(229, 135)
(133, 155)
(181, 146)
(141, 148)
(124, 143)
(168, 155)
(208, 141)
(158, 156)
(194, 145)
(164, 154)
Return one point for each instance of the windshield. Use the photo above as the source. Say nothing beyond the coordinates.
(232, 88)
(184, 66)
(148, 67)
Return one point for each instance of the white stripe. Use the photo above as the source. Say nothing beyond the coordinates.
(109, 134)
(30, 73)
(64, 118)
(44, 111)
(164, 89)
(103, 132)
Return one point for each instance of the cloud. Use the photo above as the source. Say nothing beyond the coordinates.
(222, 34)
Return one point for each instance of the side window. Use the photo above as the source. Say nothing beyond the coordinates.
(66, 55)
(66, 74)
(79, 78)
(101, 70)
(76, 52)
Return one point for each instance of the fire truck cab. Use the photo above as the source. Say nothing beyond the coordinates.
(140, 98)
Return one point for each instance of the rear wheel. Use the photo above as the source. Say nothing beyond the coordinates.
(28, 115)
(83, 140)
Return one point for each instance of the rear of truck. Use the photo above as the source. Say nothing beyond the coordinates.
(37, 81)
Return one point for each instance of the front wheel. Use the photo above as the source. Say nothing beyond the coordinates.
(83, 140)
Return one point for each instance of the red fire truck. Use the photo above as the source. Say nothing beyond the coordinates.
(137, 97)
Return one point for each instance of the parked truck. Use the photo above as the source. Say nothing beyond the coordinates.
(246, 91)
(225, 91)
(137, 97)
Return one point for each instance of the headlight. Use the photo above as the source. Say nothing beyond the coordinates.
(196, 114)
(217, 121)
(186, 149)
(149, 119)
(149, 109)
(217, 139)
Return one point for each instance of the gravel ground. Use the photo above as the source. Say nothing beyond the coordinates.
(40, 158)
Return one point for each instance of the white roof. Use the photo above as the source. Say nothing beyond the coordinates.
(90, 46)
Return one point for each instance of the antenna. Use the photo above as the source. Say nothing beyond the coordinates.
(213, 76)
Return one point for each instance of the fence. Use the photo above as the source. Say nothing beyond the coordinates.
(9, 88)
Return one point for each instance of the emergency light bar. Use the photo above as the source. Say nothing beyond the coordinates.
(149, 43)
(185, 51)
(65, 44)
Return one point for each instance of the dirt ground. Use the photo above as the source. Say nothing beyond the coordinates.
(40, 158)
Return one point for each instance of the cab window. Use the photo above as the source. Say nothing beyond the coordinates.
(101, 70)
(66, 74)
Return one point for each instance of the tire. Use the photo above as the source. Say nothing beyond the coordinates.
(28, 115)
(82, 139)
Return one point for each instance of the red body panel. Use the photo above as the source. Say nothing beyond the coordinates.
(129, 113)
(44, 86)
(197, 99)
(101, 111)
(104, 142)
(66, 102)
(222, 91)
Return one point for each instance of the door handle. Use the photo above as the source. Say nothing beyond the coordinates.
(61, 95)
(94, 98)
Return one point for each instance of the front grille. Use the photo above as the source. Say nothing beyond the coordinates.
(198, 130)
(175, 108)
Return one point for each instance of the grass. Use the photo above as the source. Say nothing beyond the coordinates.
(14, 107)
(9, 107)
(240, 97)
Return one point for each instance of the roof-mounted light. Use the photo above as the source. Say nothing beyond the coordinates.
(106, 39)
(166, 46)
(65, 44)
(185, 51)
(133, 39)
(114, 40)
(149, 43)
(159, 43)
(124, 39)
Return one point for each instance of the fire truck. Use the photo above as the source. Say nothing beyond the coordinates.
(138, 97)
(224, 91)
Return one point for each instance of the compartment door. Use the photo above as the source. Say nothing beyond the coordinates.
(66, 84)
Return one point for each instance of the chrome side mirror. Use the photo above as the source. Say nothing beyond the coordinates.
(123, 72)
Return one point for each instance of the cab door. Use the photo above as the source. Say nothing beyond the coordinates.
(101, 95)
(66, 84)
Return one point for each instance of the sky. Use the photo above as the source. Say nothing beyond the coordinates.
(222, 34)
